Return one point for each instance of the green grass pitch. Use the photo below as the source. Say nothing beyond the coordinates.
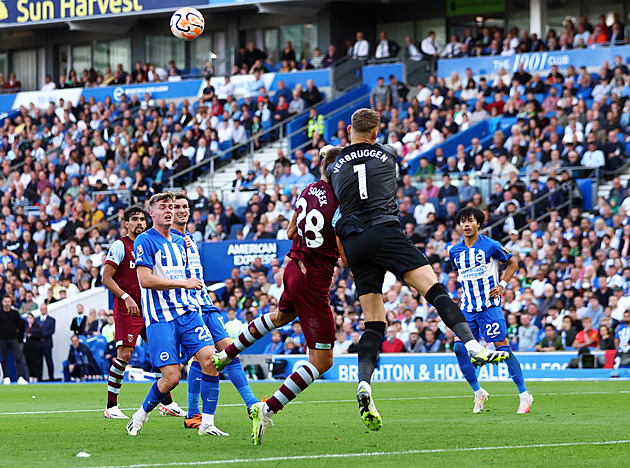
(425, 424)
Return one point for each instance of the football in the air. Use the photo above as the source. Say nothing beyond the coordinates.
(187, 23)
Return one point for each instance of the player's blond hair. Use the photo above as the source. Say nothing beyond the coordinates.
(160, 197)
(365, 120)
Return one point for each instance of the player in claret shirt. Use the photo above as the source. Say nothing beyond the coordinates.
(307, 277)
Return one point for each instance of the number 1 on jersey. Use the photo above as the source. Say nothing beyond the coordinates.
(360, 170)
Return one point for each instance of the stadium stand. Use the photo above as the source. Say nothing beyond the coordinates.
(545, 156)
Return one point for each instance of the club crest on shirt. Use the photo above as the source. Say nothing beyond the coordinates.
(140, 250)
(480, 257)
(164, 356)
(130, 338)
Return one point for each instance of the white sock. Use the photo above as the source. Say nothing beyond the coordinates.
(525, 394)
(367, 386)
(267, 410)
(142, 413)
(207, 419)
(479, 391)
(474, 346)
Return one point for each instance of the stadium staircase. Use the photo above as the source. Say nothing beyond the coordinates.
(292, 137)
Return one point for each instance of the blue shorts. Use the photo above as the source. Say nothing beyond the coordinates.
(212, 318)
(165, 339)
(488, 325)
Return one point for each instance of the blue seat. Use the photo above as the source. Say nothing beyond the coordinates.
(240, 211)
(194, 72)
(442, 210)
(225, 146)
(435, 202)
(97, 345)
(233, 230)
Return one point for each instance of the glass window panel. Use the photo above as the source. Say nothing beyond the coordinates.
(120, 52)
(558, 11)
(25, 68)
(200, 51)
(219, 46)
(395, 31)
(4, 63)
(303, 38)
(271, 44)
(81, 59)
(432, 24)
(162, 49)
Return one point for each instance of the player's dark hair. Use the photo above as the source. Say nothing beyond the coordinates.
(180, 196)
(330, 156)
(159, 197)
(133, 210)
(365, 120)
(469, 211)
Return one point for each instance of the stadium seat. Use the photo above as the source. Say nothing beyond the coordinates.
(233, 230)
(435, 202)
(225, 146)
(97, 345)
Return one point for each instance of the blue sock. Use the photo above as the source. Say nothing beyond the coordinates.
(237, 375)
(465, 365)
(194, 387)
(154, 397)
(209, 393)
(514, 367)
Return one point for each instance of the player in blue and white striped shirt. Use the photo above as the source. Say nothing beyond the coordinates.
(211, 316)
(171, 315)
(476, 259)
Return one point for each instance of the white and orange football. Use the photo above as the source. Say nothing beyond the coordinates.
(187, 23)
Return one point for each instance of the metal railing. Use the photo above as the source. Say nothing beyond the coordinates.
(249, 145)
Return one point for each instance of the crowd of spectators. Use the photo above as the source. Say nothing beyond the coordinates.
(573, 263)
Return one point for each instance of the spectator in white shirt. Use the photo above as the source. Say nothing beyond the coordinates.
(225, 132)
(361, 48)
(412, 51)
(593, 157)
(239, 135)
(49, 84)
(422, 210)
(429, 46)
(225, 90)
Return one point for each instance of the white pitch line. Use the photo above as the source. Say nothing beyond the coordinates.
(441, 397)
(365, 454)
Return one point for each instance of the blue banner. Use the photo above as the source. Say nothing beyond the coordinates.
(371, 73)
(218, 258)
(163, 90)
(533, 62)
(444, 368)
(321, 78)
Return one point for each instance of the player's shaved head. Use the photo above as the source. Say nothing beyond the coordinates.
(365, 121)
(161, 197)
